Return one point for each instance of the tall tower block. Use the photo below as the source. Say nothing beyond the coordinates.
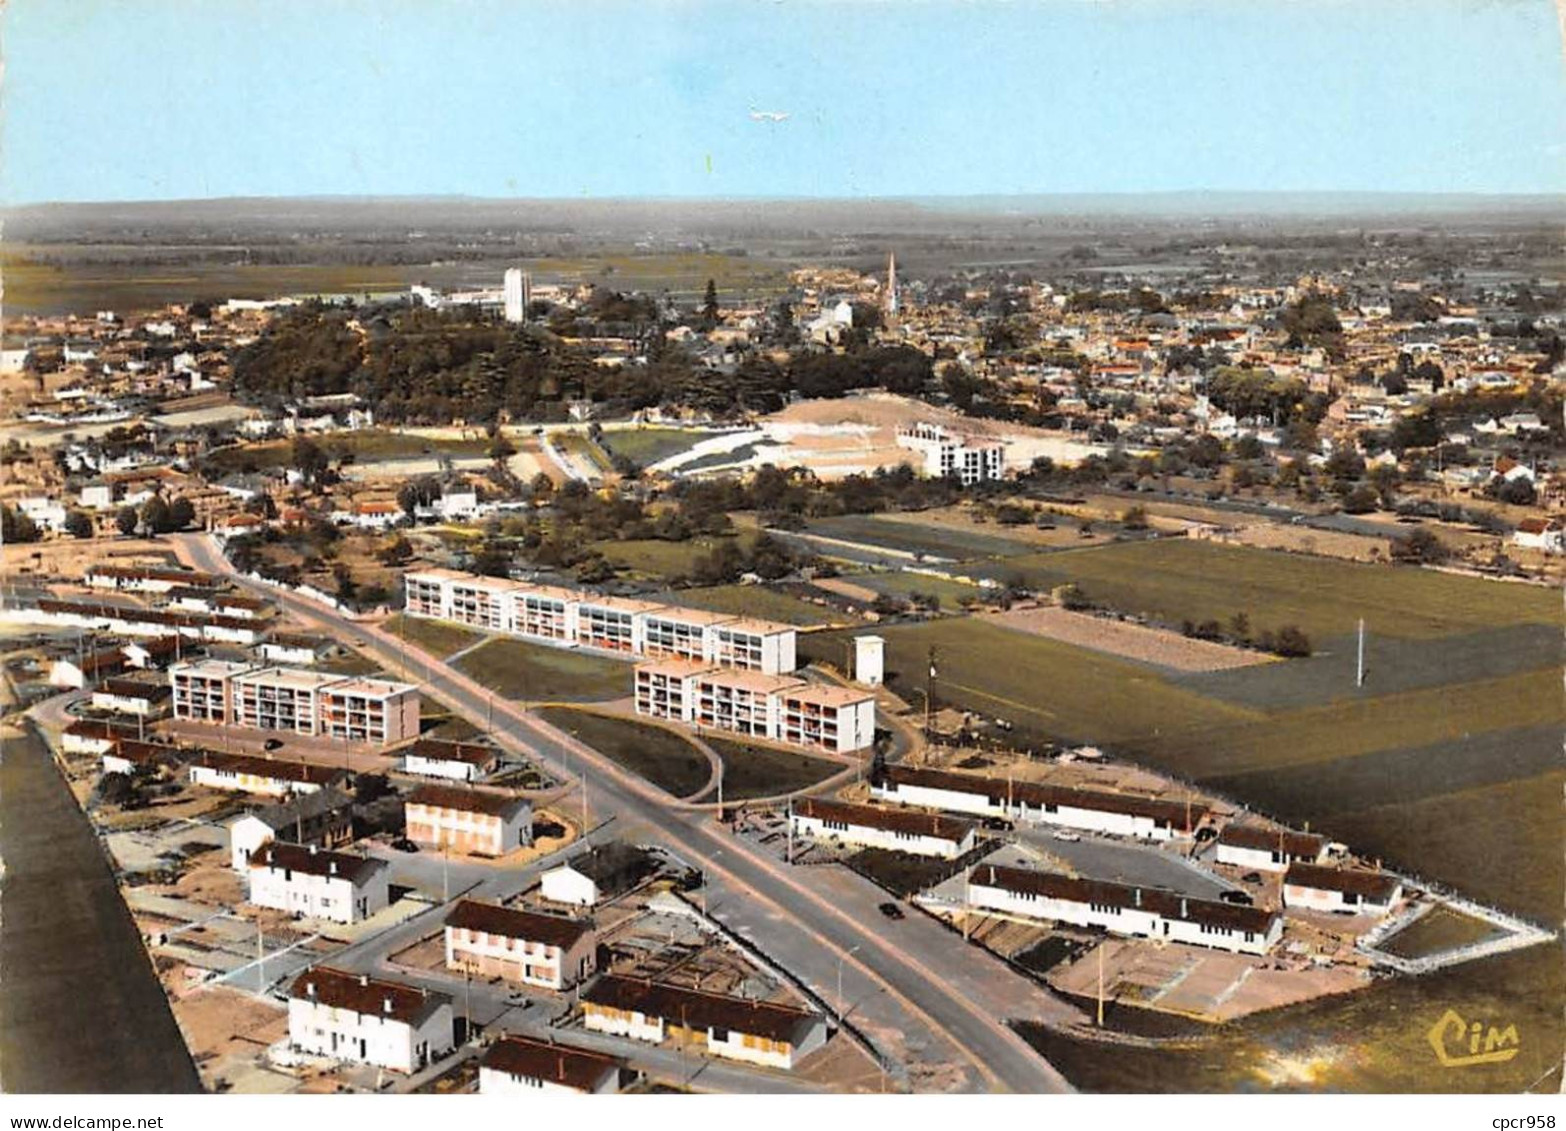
(516, 295)
(891, 283)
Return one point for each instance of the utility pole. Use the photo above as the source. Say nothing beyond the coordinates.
(260, 959)
(584, 801)
(1359, 670)
(1100, 985)
(788, 853)
(929, 693)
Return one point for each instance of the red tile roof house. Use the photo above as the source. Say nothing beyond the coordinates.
(520, 946)
(480, 822)
(757, 1032)
(354, 1017)
(521, 1066)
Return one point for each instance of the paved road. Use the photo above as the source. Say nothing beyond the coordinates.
(81, 1010)
(977, 1034)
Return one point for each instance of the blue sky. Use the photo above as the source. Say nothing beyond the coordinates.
(170, 99)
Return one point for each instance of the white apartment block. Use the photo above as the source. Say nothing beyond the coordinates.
(946, 453)
(1125, 910)
(898, 830)
(354, 1017)
(776, 707)
(571, 617)
(295, 701)
(316, 884)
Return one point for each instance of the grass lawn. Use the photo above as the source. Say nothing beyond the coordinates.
(1438, 930)
(581, 445)
(764, 771)
(536, 672)
(1042, 685)
(1372, 1040)
(901, 583)
(655, 558)
(647, 446)
(365, 446)
(1177, 579)
(907, 534)
(756, 601)
(439, 638)
(660, 756)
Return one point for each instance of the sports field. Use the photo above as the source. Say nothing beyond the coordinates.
(1178, 579)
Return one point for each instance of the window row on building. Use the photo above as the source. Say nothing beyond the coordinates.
(296, 701)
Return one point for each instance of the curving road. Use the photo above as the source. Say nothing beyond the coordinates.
(962, 995)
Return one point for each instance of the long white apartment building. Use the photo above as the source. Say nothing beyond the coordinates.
(777, 707)
(898, 830)
(1124, 909)
(1091, 810)
(295, 701)
(577, 618)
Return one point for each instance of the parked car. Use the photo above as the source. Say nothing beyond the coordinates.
(1239, 897)
(403, 844)
(1062, 834)
(1251, 878)
(891, 911)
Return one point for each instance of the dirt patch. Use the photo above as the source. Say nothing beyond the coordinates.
(1131, 641)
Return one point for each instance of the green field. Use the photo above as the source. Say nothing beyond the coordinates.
(751, 771)
(582, 446)
(1177, 579)
(913, 537)
(361, 447)
(538, 673)
(1046, 687)
(757, 601)
(647, 446)
(654, 753)
(440, 638)
(1436, 931)
(900, 583)
(658, 559)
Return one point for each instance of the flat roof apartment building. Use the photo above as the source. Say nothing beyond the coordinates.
(295, 701)
(947, 453)
(776, 707)
(480, 822)
(576, 617)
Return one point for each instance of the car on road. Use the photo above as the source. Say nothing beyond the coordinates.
(998, 824)
(1251, 878)
(403, 844)
(1062, 834)
(1239, 897)
(891, 910)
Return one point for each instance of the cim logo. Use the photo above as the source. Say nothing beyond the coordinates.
(1463, 1044)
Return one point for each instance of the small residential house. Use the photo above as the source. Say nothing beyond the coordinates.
(757, 1032)
(364, 1020)
(530, 947)
(522, 1066)
(1268, 850)
(601, 873)
(1355, 891)
(458, 761)
(316, 883)
(480, 822)
(323, 819)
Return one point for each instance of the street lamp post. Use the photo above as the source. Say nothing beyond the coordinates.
(842, 958)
